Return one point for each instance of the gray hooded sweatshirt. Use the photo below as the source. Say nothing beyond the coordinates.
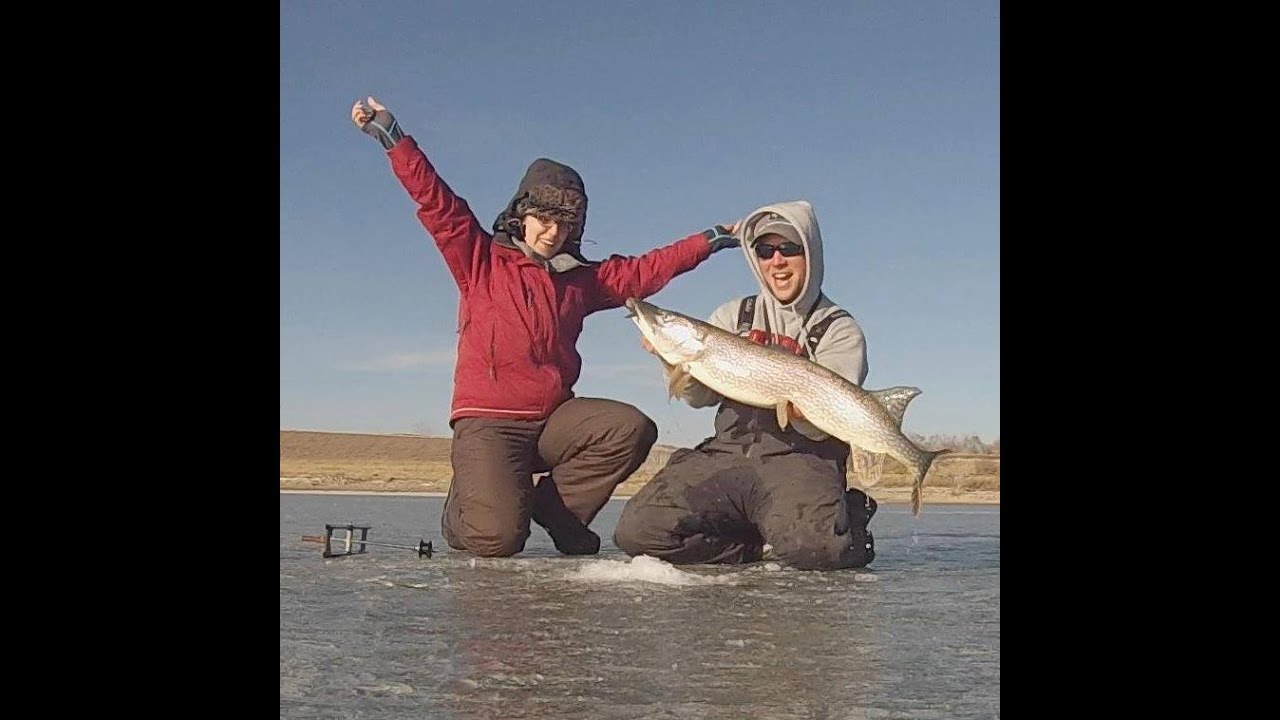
(842, 348)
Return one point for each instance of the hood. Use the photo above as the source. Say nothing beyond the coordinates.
(786, 318)
(557, 190)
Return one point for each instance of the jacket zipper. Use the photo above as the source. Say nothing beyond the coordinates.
(493, 353)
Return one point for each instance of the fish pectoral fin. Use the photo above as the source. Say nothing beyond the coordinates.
(783, 416)
(678, 380)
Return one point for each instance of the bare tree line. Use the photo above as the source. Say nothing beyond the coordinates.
(958, 443)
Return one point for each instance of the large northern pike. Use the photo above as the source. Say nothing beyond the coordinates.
(767, 377)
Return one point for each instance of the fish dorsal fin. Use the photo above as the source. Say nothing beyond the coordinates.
(895, 400)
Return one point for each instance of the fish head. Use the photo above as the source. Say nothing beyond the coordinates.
(676, 338)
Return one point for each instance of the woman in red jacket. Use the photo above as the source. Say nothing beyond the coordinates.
(525, 289)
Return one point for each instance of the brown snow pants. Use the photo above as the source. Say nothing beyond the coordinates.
(588, 445)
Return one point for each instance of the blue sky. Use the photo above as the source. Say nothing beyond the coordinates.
(678, 115)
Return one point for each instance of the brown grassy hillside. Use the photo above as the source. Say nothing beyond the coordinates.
(404, 463)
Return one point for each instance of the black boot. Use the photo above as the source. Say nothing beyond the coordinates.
(567, 532)
(859, 509)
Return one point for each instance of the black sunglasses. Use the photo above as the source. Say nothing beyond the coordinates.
(549, 218)
(788, 249)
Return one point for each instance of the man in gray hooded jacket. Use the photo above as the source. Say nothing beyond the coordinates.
(752, 483)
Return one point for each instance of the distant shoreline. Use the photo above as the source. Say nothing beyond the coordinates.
(887, 496)
(409, 465)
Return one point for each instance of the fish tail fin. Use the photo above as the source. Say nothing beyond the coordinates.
(917, 488)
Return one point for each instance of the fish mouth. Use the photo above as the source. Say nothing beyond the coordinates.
(638, 308)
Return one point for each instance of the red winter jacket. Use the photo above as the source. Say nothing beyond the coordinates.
(518, 323)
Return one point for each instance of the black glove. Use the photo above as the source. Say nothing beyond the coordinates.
(384, 128)
(719, 238)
